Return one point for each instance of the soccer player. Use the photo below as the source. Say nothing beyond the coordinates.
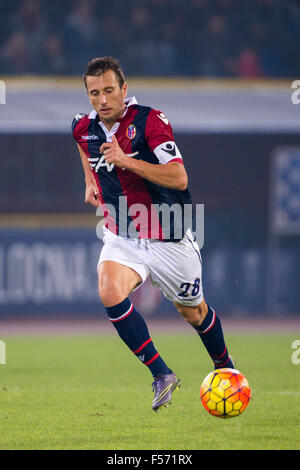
(128, 153)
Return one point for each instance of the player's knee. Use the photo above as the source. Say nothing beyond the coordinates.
(111, 298)
(110, 295)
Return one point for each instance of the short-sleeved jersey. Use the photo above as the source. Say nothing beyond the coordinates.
(126, 198)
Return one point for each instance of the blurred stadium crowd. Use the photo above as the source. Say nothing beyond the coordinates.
(211, 38)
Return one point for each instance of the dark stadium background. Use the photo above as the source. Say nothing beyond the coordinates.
(222, 71)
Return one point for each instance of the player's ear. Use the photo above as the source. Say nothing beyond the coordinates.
(86, 86)
(124, 89)
(89, 96)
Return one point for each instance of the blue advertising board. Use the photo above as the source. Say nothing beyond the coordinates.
(54, 272)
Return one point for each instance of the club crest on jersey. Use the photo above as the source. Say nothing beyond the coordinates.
(131, 131)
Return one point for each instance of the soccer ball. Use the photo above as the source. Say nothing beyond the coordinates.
(225, 393)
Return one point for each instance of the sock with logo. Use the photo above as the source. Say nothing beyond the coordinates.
(211, 334)
(133, 330)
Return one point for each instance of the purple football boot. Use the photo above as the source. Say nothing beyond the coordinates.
(164, 386)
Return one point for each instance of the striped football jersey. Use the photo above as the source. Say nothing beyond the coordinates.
(146, 134)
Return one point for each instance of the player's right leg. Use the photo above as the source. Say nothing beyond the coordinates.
(116, 282)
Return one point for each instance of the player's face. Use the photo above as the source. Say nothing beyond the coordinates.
(106, 96)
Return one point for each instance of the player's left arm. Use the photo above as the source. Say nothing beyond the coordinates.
(170, 173)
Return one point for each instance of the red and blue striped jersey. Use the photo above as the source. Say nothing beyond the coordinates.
(146, 134)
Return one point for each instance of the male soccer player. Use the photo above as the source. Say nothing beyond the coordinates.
(128, 153)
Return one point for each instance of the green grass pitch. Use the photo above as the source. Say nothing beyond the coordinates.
(90, 392)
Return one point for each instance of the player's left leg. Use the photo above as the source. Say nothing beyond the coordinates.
(208, 326)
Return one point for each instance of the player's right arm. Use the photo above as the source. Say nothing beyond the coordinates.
(92, 195)
(79, 128)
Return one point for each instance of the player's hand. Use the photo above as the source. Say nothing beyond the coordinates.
(92, 195)
(113, 153)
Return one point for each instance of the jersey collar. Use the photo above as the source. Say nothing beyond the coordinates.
(109, 133)
(128, 102)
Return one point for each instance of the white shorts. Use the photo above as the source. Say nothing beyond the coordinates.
(174, 267)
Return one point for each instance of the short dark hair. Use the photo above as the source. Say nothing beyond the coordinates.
(100, 65)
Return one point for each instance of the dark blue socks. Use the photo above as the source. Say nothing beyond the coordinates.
(211, 334)
(133, 330)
